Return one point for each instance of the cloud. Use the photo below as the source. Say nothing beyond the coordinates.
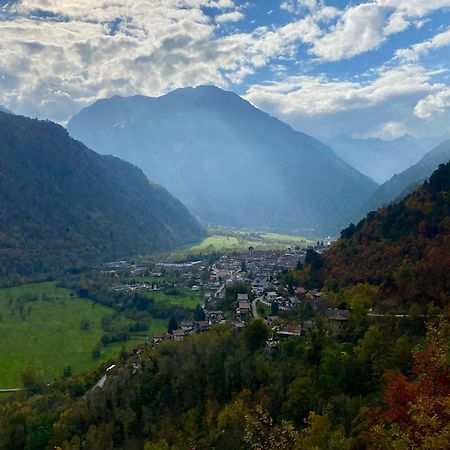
(433, 104)
(233, 16)
(414, 52)
(382, 105)
(317, 95)
(366, 26)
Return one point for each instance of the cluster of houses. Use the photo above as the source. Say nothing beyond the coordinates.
(186, 328)
(136, 287)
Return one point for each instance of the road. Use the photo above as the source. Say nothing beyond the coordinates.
(254, 311)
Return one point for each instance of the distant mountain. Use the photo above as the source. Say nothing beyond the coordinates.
(405, 182)
(229, 162)
(381, 159)
(3, 109)
(63, 205)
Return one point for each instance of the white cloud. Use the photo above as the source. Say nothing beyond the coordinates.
(317, 95)
(233, 16)
(294, 6)
(433, 104)
(388, 130)
(379, 104)
(414, 52)
(366, 26)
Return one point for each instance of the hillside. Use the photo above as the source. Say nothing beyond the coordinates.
(405, 182)
(381, 159)
(230, 163)
(402, 249)
(64, 206)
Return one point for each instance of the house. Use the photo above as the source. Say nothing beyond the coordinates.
(290, 330)
(242, 297)
(215, 316)
(157, 339)
(271, 296)
(178, 335)
(337, 318)
(260, 284)
(187, 326)
(238, 325)
(202, 325)
(244, 311)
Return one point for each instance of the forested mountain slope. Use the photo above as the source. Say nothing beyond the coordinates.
(403, 249)
(63, 205)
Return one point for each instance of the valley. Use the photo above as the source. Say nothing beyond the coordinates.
(225, 225)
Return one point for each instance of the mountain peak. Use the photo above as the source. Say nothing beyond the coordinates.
(229, 162)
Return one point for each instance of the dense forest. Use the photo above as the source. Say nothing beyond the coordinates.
(383, 383)
(403, 251)
(64, 206)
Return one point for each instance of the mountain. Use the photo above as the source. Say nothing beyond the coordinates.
(63, 205)
(3, 109)
(405, 182)
(402, 249)
(229, 162)
(381, 159)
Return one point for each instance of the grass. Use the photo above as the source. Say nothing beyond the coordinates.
(227, 241)
(49, 337)
(187, 298)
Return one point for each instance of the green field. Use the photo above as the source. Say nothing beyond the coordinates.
(235, 241)
(48, 336)
(187, 298)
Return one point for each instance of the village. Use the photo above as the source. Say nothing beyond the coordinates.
(238, 288)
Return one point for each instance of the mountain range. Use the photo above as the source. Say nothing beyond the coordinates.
(407, 181)
(381, 159)
(229, 162)
(64, 206)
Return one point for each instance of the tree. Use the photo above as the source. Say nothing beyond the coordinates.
(30, 380)
(97, 351)
(199, 313)
(417, 409)
(274, 308)
(173, 325)
(256, 334)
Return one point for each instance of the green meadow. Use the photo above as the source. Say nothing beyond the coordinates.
(227, 241)
(186, 298)
(45, 332)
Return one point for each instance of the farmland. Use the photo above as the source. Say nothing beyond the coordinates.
(40, 326)
(223, 240)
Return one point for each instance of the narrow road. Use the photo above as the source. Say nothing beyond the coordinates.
(254, 311)
(2, 391)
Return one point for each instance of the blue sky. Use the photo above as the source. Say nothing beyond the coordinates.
(365, 68)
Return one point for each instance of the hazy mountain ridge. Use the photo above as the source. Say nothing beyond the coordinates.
(63, 205)
(405, 182)
(381, 159)
(229, 162)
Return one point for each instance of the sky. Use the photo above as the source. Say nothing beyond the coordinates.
(375, 68)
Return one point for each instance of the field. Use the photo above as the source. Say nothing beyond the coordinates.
(224, 240)
(46, 334)
(186, 298)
